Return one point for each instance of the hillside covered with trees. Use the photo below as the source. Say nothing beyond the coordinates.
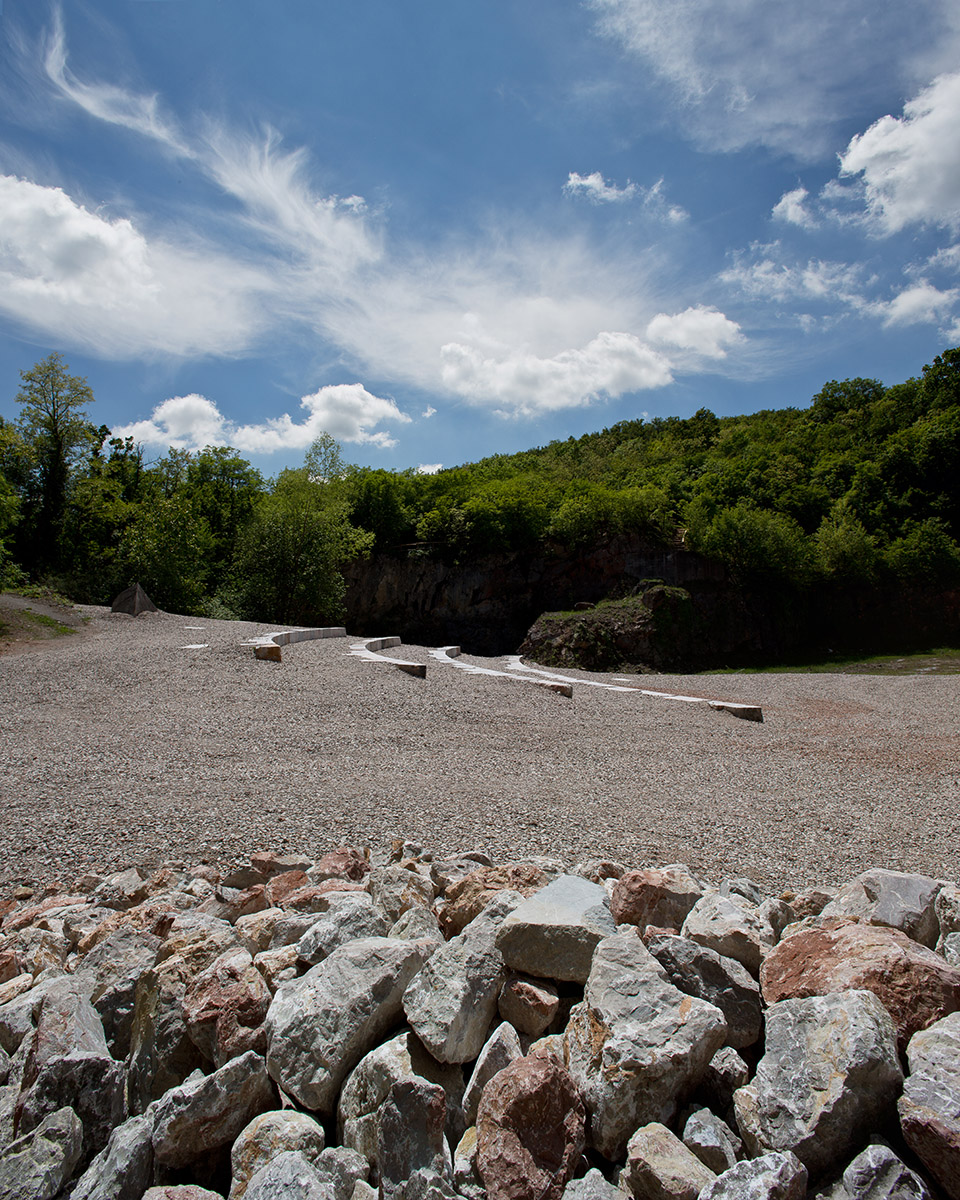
(860, 488)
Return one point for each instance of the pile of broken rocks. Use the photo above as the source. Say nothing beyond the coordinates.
(431, 1028)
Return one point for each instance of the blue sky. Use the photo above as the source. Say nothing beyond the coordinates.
(442, 230)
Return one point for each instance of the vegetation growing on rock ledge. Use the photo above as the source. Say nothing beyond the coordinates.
(861, 488)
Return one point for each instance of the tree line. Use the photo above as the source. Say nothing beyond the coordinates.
(861, 487)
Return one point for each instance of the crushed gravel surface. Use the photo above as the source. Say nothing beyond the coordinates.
(123, 746)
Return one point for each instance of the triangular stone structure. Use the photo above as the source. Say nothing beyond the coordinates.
(133, 600)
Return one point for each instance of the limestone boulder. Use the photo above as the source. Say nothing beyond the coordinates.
(289, 1175)
(225, 1006)
(197, 939)
(366, 1089)
(343, 1169)
(660, 1167)
(916, 985)
(110, 973)
(123, 890)
(530, 1005)
(930, 1105)
(418, 924)
(712, 1140)
(637, 1046)
(452, 1001)
(592, 1186)
(395, 889)
(830, 1073)
(37, 1165)
(732, 926)
(321, 1025)
(470, 896)
(255, 931)
(180, 1191)
(530, 1131)
(123, 1170)
(350, 917)
(162, 1053)
(411, 1134)
(67, 1064)
(208, 1112)
(553, 933)
(657, 896)
(346, 862)
(266, 1136)
(774, 1176)
(892, 898)
(447, 871)
(702, 972)
(877, 1174)
(278, 966)
(499, 1051)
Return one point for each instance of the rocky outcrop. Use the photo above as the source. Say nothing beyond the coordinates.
(535, 1049)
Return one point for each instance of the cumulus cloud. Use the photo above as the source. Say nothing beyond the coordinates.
(429, 468)
(522, 383)
(792, 208)
(84, 277)
(704, 331)
(347, 411)
(748, 71)
(910, 165)
(594, 187)
(920, 304)
(767, 272)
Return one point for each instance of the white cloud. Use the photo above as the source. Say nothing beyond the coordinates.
(751, 71)
(429, 412)
(767, 273)
(594, 187)
(521, 383)
(792, 208)
(920, 304)
(704, 331)
(911, 164)
(429, 468)
(78, 275)
(346, 411)
(141, 114)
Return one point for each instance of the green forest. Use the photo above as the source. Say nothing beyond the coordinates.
(861, 487)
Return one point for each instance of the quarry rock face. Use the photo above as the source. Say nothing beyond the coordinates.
(353, 1027)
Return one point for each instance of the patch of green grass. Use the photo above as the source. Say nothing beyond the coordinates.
(941, 660)
(57, 628)
(36, 591)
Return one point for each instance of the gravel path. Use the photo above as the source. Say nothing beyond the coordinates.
(122, 746)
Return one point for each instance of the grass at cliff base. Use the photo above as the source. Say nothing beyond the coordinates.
(943, 660)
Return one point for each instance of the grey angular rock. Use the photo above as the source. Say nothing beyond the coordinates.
(660, 1167)
(743, 888)
(712, 1140)
(554, 933)
(320, 1026)
(266, 1136)
(700, 971)
(181, 1191)
(499, 1051)
(829, 1074)
(895, 898)
(949, 947)
(774, 1176)
(68, 1064)
(343, 1168)
(733, 926)
(123, 1169)
(37, 1165)
(367, 1087)
(660, 896)
(353, 917)
(530, 1005)
(417, 924)
(289, 1176)
(592, 1186)
(636, 1046)
(877, 1174)
(452, 1001)
(930, 1105)
(110, 972)
(162, 1053)
(411, 1134)
(395, 889)
(19, 1015)
(209, 1111)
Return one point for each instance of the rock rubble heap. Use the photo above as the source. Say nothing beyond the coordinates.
(427, 1029)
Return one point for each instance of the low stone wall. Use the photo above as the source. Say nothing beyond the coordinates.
(426, 1028)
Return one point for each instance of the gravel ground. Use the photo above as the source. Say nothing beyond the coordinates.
(121, 745)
